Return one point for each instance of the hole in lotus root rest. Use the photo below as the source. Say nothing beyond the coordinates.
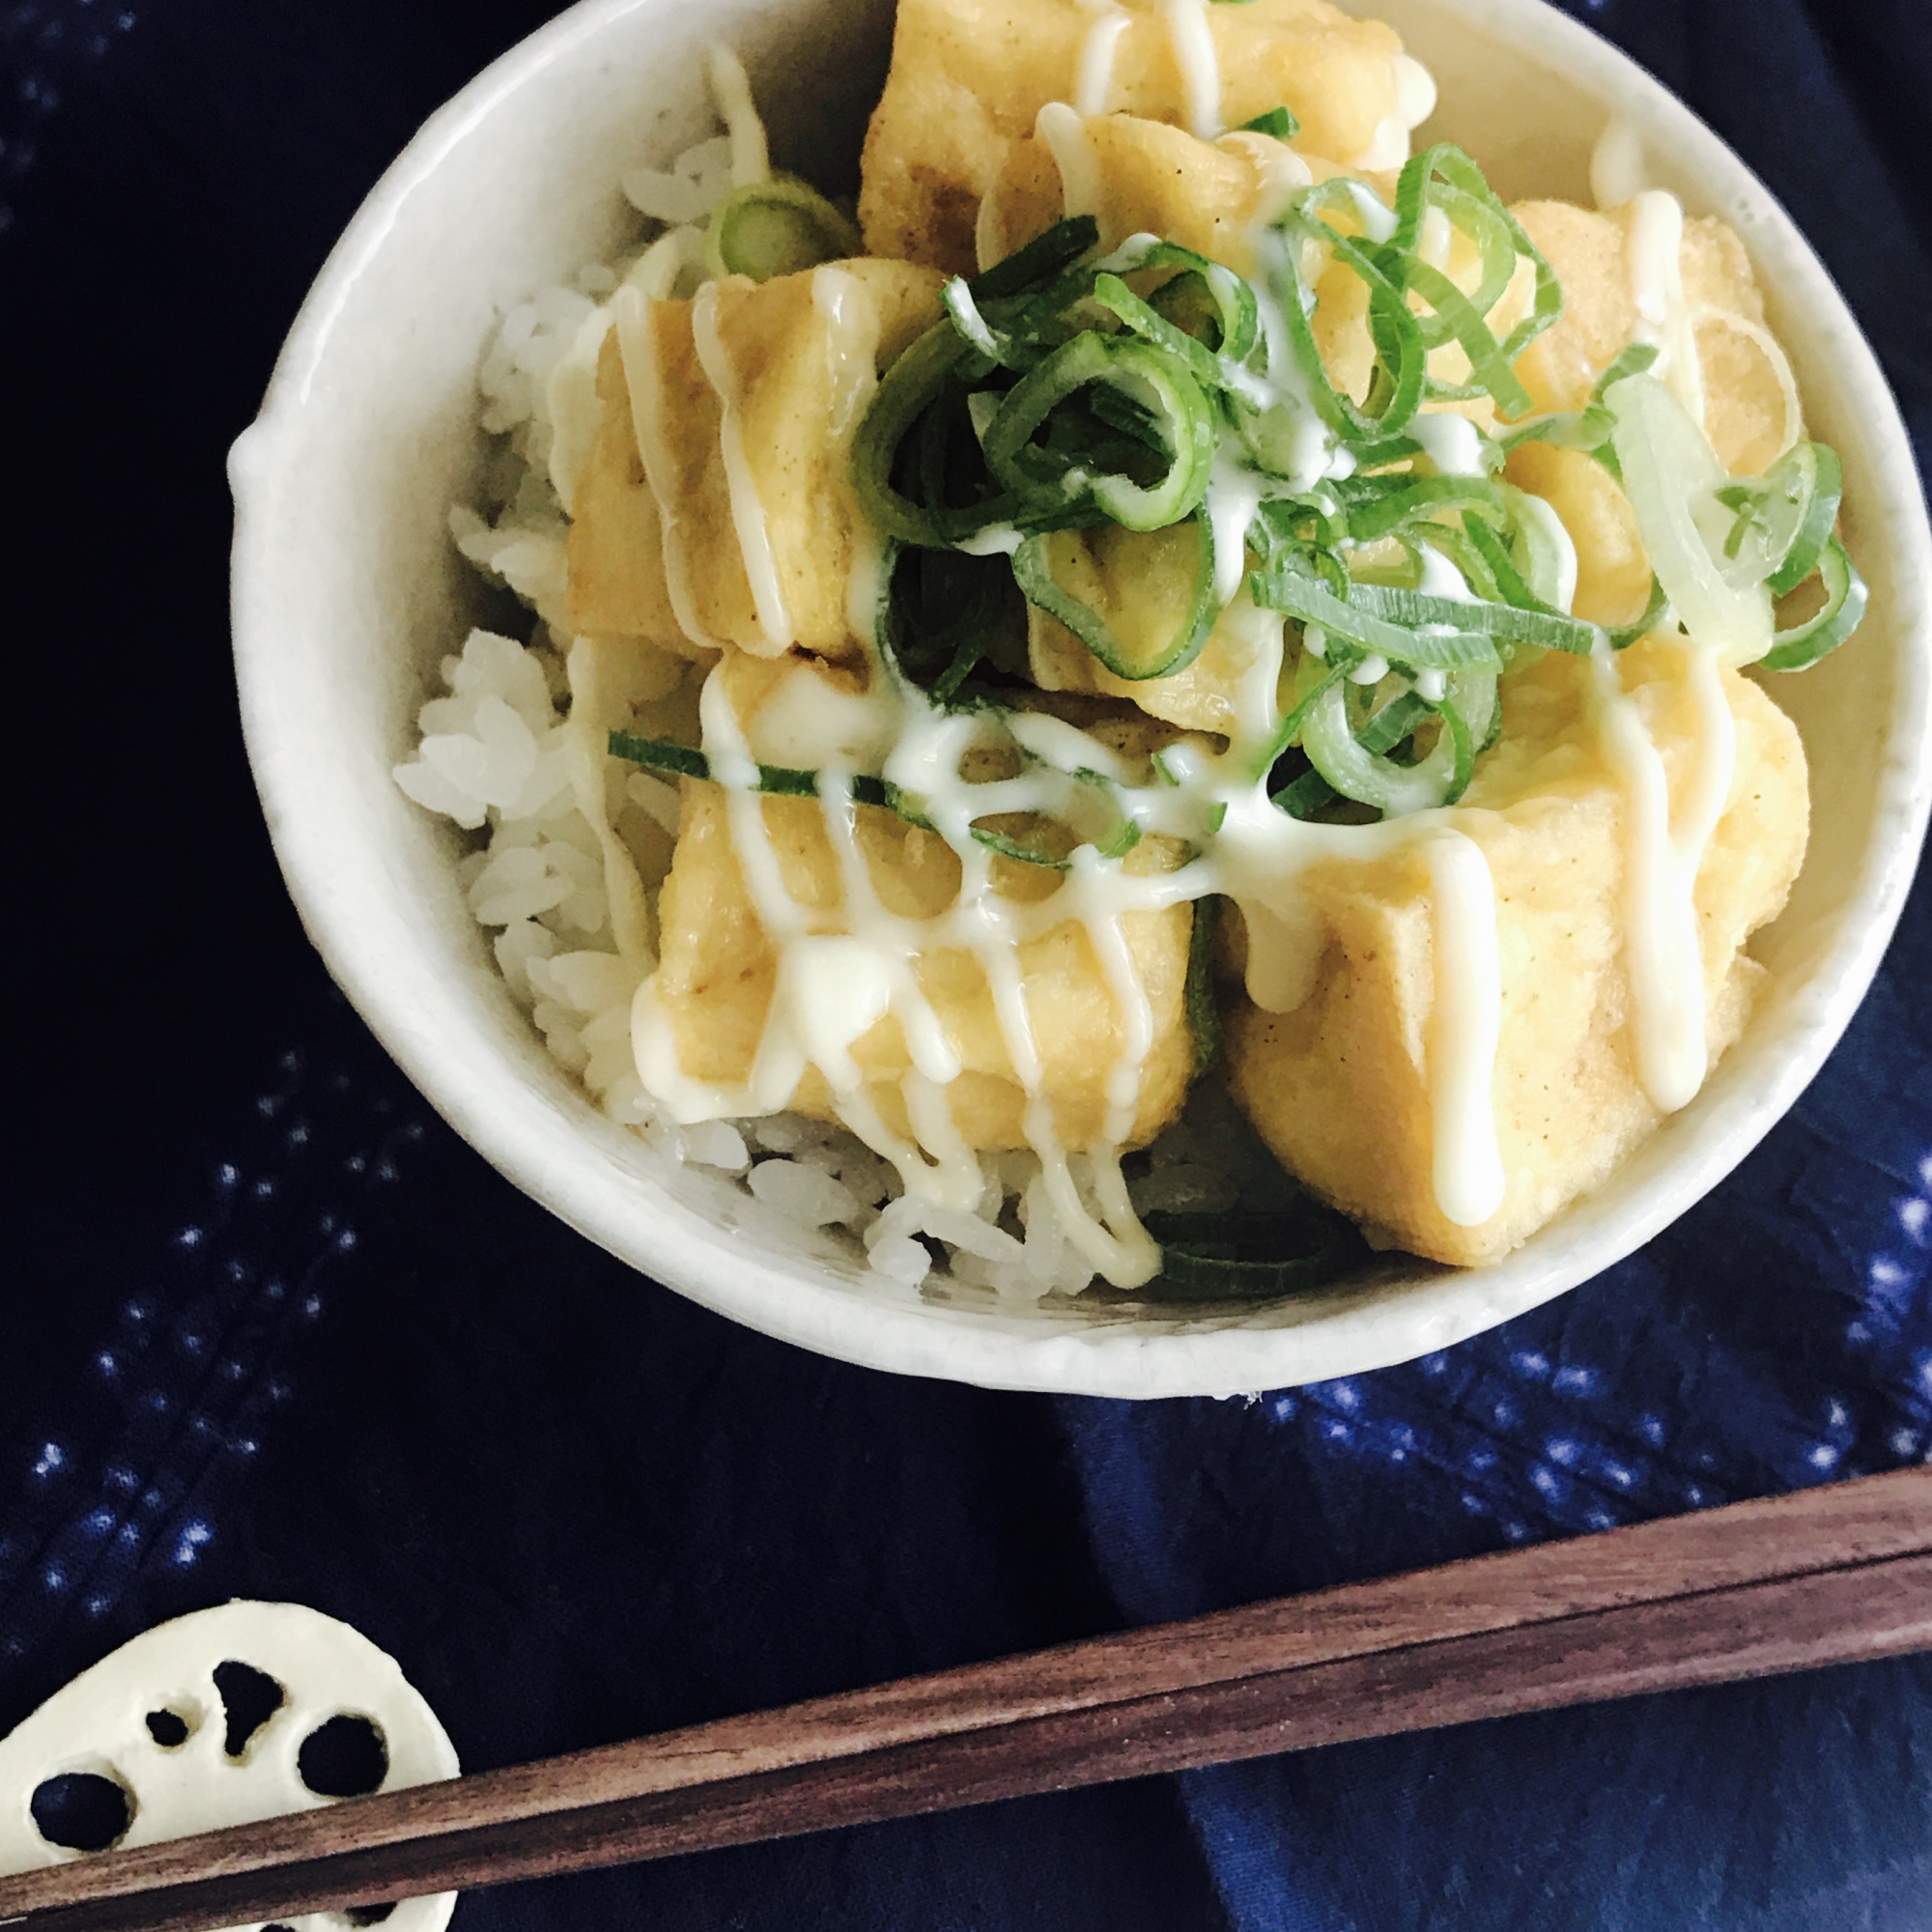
(368, 1915)
(168, 1728)
(345, 1757)
(82, 1811)
(250, 1697)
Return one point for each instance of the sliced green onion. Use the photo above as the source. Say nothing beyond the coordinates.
(665, 759)
(1845, 600)
(1356, 621)
(1312, 677)
(1032, 569)
(1394, 790)
(1826, 478)
(913, 382)
(1376, 506)
(966, 317)
(1783, 519)
(1148, 323)
(945, 612)
(1402, 355)
(1159, 383)
(1668, 467)
(1247, 1257)
(1040, 260)
(1236, 314)
(1277, 121)
(780, 226)
(1654, 611)
(1446, 176)
(1457, 315)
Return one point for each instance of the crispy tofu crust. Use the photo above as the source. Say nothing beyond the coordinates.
(632, 543)
(969, 77)
(1744, 400)
(718, 972)
(1337, 1089)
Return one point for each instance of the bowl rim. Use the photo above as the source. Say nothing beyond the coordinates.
(490, 1105)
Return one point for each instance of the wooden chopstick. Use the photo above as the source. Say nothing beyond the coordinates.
(1822, 1576)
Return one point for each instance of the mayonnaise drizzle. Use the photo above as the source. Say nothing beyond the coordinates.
(1195, 54)
(852, 327)
(1093, 87)
(1414, 103)
(1064, 134)
(1656, 247)
(1450, 442)
(1617, 171)
(1663, 852)
(747, 513)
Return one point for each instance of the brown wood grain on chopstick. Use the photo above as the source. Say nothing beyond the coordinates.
(1822, 1576)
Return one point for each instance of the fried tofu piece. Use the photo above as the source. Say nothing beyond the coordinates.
(798, 357)
(1612, 571)
(616, 577)
(969, 77)
(1151, 179)
(1744, 395)
(719, 973)
(1141, 584)
(1339, 1088)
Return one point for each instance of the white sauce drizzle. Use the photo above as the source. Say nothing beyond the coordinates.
(747, 513)
(1414, 103)
(1464, 1028)
(637, 344)
(1450, 442)
(1562, 548)
(1656, 246)
(1662, 947)
(1441, 579)
(1280, 172)
(852, 329)
(1093, 89)
(1192, 39)
(1064, 134)
(1617, 170)
(1233, 495)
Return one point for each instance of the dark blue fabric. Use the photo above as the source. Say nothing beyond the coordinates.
(268, 1328)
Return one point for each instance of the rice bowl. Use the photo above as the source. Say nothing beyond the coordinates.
(381, 900)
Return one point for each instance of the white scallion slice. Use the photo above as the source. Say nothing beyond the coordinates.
(1668, 469)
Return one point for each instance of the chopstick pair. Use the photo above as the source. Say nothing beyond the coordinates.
(1822, 1576)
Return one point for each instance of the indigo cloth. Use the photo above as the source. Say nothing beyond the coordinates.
(268, 1328)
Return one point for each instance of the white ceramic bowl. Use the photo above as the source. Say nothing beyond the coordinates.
(347, 593)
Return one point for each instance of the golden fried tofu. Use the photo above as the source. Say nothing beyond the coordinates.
(1142, 583)
(798, 356)
(1339, 1088)
(969, 77)
(718, 969)
(1612, 571)
(1152, 178)
(1744, 395)
(616, 577)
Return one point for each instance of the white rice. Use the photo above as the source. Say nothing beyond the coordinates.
(494, 756)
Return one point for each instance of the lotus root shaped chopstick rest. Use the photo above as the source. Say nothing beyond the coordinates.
(242, 1711)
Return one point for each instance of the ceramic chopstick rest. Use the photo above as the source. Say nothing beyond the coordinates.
(242, 1711)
